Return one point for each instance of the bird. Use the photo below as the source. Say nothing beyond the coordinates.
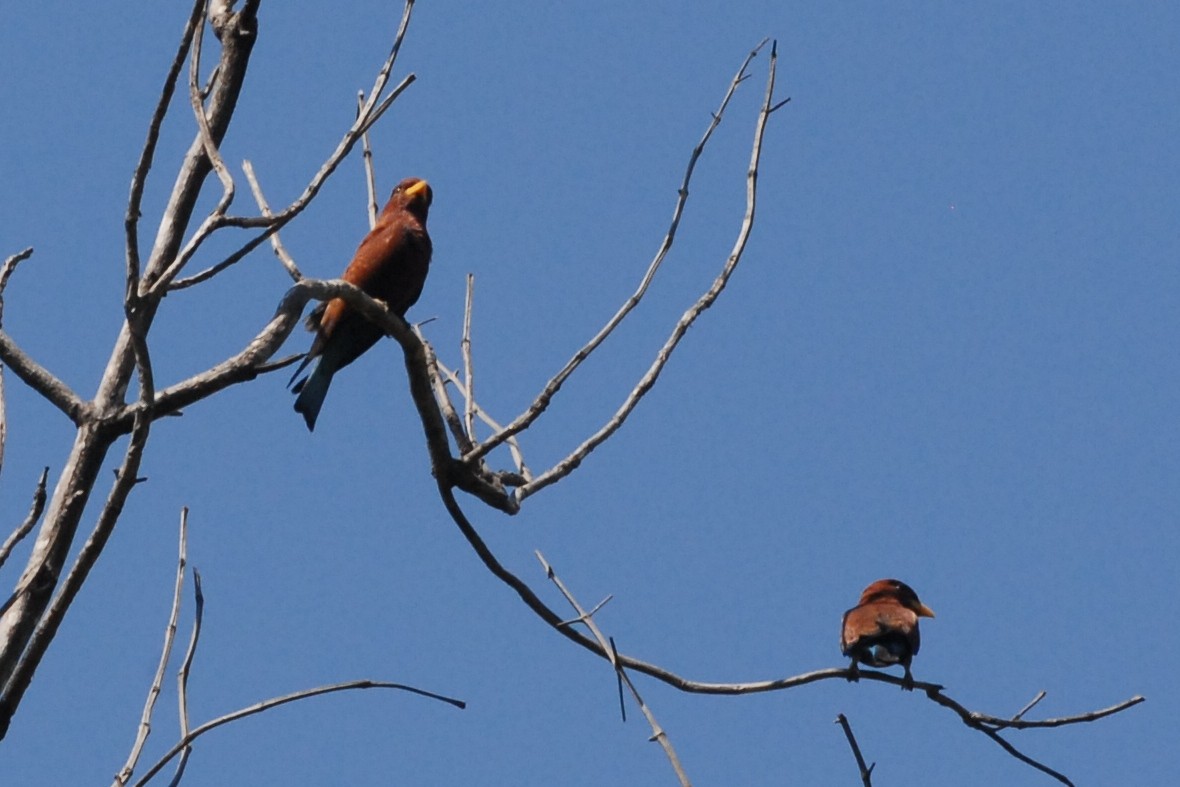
(882, 629)
(390, 265)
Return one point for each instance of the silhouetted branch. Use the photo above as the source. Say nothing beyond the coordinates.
(182, 675)
(367, 164)
(866, 771)
(145, 721)
(541, 403)
(147, 153)
(30, 521)
(264, 209)
(608, 647)
(571, 462)
(979, 721)
(274, 702)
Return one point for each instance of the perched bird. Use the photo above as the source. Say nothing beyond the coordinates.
(390, 265)
(882, 629)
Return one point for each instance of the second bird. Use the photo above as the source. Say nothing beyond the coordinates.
(390, 265)
(882, 629)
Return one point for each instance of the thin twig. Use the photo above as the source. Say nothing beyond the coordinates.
(147, 153)
(1032, 704)
(264, 209)
(367, 164)
(591, 613)
(25, 527)
(551, 388)
(866, 771)
(468, 366)
(575, 458)
(7, 269)
(441, 396)
(29, 371)
(145, 721)
(185, 670)
(274, 702)
(213, 221)
(513, 445)
(608, 648)
(3, 418)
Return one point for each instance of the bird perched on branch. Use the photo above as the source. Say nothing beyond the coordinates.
(390, 265)
(882, 629)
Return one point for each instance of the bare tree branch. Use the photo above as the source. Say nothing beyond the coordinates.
(551, 388)
(274, 702)
(29, 371)
(3, 418)
(468, 365)
(29, 623)
(276, 222)
(367, 164)
(7, 269)
(139, 179)
(587, 619)
(513, 445)
(25, 527)
(182, 675)
(209, 147)
(6, 272)
(145, 721)
(42, 380)
(370, 113)
(264, 208)
(1032, 704)
(571, 462)
(37, 592)
(989, 725)
(866, 771)
(441, 395)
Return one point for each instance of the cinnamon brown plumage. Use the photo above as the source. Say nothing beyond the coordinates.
(882, 629)
(390, 265)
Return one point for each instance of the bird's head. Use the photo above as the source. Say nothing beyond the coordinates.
(412, 195)
(898, 591)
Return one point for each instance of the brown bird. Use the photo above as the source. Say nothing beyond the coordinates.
(882, 629)
(390, 265)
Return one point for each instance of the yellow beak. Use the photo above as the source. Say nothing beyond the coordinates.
(417, 188)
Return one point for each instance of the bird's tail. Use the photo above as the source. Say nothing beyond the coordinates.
(312, 391)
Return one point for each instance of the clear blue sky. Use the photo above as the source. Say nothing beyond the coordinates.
(948, 356)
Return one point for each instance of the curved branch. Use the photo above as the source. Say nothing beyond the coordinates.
(149, 705)
(988, 725)
(274, 702)
(541, 403)
(571, 462)
(25, 527)
(587, 619)
(8, 269)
